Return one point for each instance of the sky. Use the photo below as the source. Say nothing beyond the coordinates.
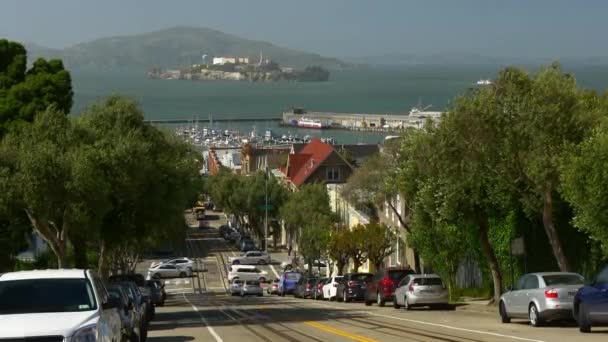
(339, 28)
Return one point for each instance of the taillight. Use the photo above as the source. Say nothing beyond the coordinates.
(411, 288)
(552, 293)
(351, 283)
(319, 286)
(336, 285)
(308, 286)
(387, 282)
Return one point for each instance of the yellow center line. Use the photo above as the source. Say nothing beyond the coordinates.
(339, 332)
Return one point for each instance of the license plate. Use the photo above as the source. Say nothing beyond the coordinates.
(572, 293)
(427, 291)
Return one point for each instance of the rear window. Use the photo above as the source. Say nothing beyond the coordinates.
(428, 281)
(361, 277)
(311, 280)
(252, 282)
(292, 276)
(397, 275)
(563, 279)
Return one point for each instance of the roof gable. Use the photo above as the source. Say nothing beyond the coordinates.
(313, 155)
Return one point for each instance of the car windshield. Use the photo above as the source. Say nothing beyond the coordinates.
(238, 281)
(252, 282)
(398, 274)
(563, 279)
(427, 282)
(312, 280)
(602, 277)
(361, 277)
(46, 295)
(292, 276)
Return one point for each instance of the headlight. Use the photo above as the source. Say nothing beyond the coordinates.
(86, 334)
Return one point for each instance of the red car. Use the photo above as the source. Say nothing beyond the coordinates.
(382, 287)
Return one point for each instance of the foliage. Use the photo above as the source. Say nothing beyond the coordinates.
(311, 200)
(25, 93)
(338, 247)
(356, 246)
(314, 239)
(378, 243)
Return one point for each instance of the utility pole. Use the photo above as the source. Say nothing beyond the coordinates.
(266, 210)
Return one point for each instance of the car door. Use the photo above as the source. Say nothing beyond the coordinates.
(253, 257)
(598, 303)
(513, 299)
(532, 289)
(110, 324)
(401, 289)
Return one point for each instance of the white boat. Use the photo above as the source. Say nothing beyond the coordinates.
(484, 82)
(268, 135)
(310, 123)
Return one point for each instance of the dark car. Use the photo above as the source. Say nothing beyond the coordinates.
(305, 288)
(224, 230)
(161, 286)
(130, 318)
(288, 282)
(591, 303)
(382, 287)
(318, 288)
(155, 293)
(353, 286)
(247, 245)
(139, 305)
(137, 278)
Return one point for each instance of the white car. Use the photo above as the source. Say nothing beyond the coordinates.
(330, 289)
(188, 264)
(235, 287)
(245, 272)
(167, 271)
(57, 305)
(251, 258)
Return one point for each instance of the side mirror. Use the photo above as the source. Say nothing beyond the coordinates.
(509, 288)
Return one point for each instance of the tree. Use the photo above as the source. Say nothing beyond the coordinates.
(587, 193)
(338, 247)
(356, 246)
(313, 240)
(378, 242)
(307, 202)
(25, 93)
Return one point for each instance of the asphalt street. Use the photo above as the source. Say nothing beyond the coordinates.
(208, 313)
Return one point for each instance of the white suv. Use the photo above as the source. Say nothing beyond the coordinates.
(245, 272)
(59, 305)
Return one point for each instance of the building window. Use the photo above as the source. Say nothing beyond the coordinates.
(333, 174)
(399, 204)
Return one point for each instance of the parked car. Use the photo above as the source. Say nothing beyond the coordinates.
(318, 267)
(541, 297)
(224, 230)
(305, 287)
(330, 288)
(382, 287)
(251, 288)
(184, 263)
(247, 245)
(247, 272)
(353, 286)
(166, 271)
(421, 290)
(235, 286)
(158, 291)
(240, 237)
(273, 288)
(317, 287)
(147, 297)
(57, 305)
(130, 318)
(139, 304)
(136, 278)
(591, 303)
(251, 258)
(288, 282)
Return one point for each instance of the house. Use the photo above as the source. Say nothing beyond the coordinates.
(230, 60)
(359, 152)
(255, 158)
(223, 157)
(316, 162)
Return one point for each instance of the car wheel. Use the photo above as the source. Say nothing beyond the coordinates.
(262, 280)
(189, 269)
(406, 304)
(182, 274)
(395, 304)
(504, 317)
(261, 262)
(534, 315)
(583, 322)
(236, 262)
(157, 276)
(345, 297)
(380, 300)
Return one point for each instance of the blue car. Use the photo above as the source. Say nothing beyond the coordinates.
(288, 282)
(591, 303)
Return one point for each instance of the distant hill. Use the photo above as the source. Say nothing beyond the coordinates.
(175, 47)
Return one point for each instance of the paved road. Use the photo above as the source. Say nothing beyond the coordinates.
(215, 316)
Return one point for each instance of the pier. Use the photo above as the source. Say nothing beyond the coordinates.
(191, 120)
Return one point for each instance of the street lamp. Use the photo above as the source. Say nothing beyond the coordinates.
(266, 210)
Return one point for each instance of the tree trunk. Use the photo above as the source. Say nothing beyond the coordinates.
(490, 256)
(417, 266)
(340, 265)
(80, 253)
(57, 240)
(552, 235)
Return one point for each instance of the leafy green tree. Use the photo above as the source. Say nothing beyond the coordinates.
(314, 238)
(356, 246)
(378, 243)
(25, 93)
(309, 201)
(585, 184)
(337, 248)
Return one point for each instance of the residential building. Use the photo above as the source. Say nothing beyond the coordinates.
(316, 162)
(255, 158)
(223, 157)
(359, 152)
(230, 60)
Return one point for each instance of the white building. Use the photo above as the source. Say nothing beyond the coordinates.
(230, 60)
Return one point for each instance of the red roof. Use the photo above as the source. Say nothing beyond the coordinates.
(303, 164)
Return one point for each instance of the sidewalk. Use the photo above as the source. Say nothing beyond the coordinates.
(476, 305)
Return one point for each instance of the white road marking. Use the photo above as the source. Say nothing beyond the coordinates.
(211, 330)
(454, 328)
(274, 271)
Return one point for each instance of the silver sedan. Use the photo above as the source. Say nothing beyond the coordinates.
(251, 288)
(235, 287)
(421, 290)
(541, 297)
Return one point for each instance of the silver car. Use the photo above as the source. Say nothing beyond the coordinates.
(235, 287)
(251, 258)
(251, 288)
(541, 297)
(421, 290)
